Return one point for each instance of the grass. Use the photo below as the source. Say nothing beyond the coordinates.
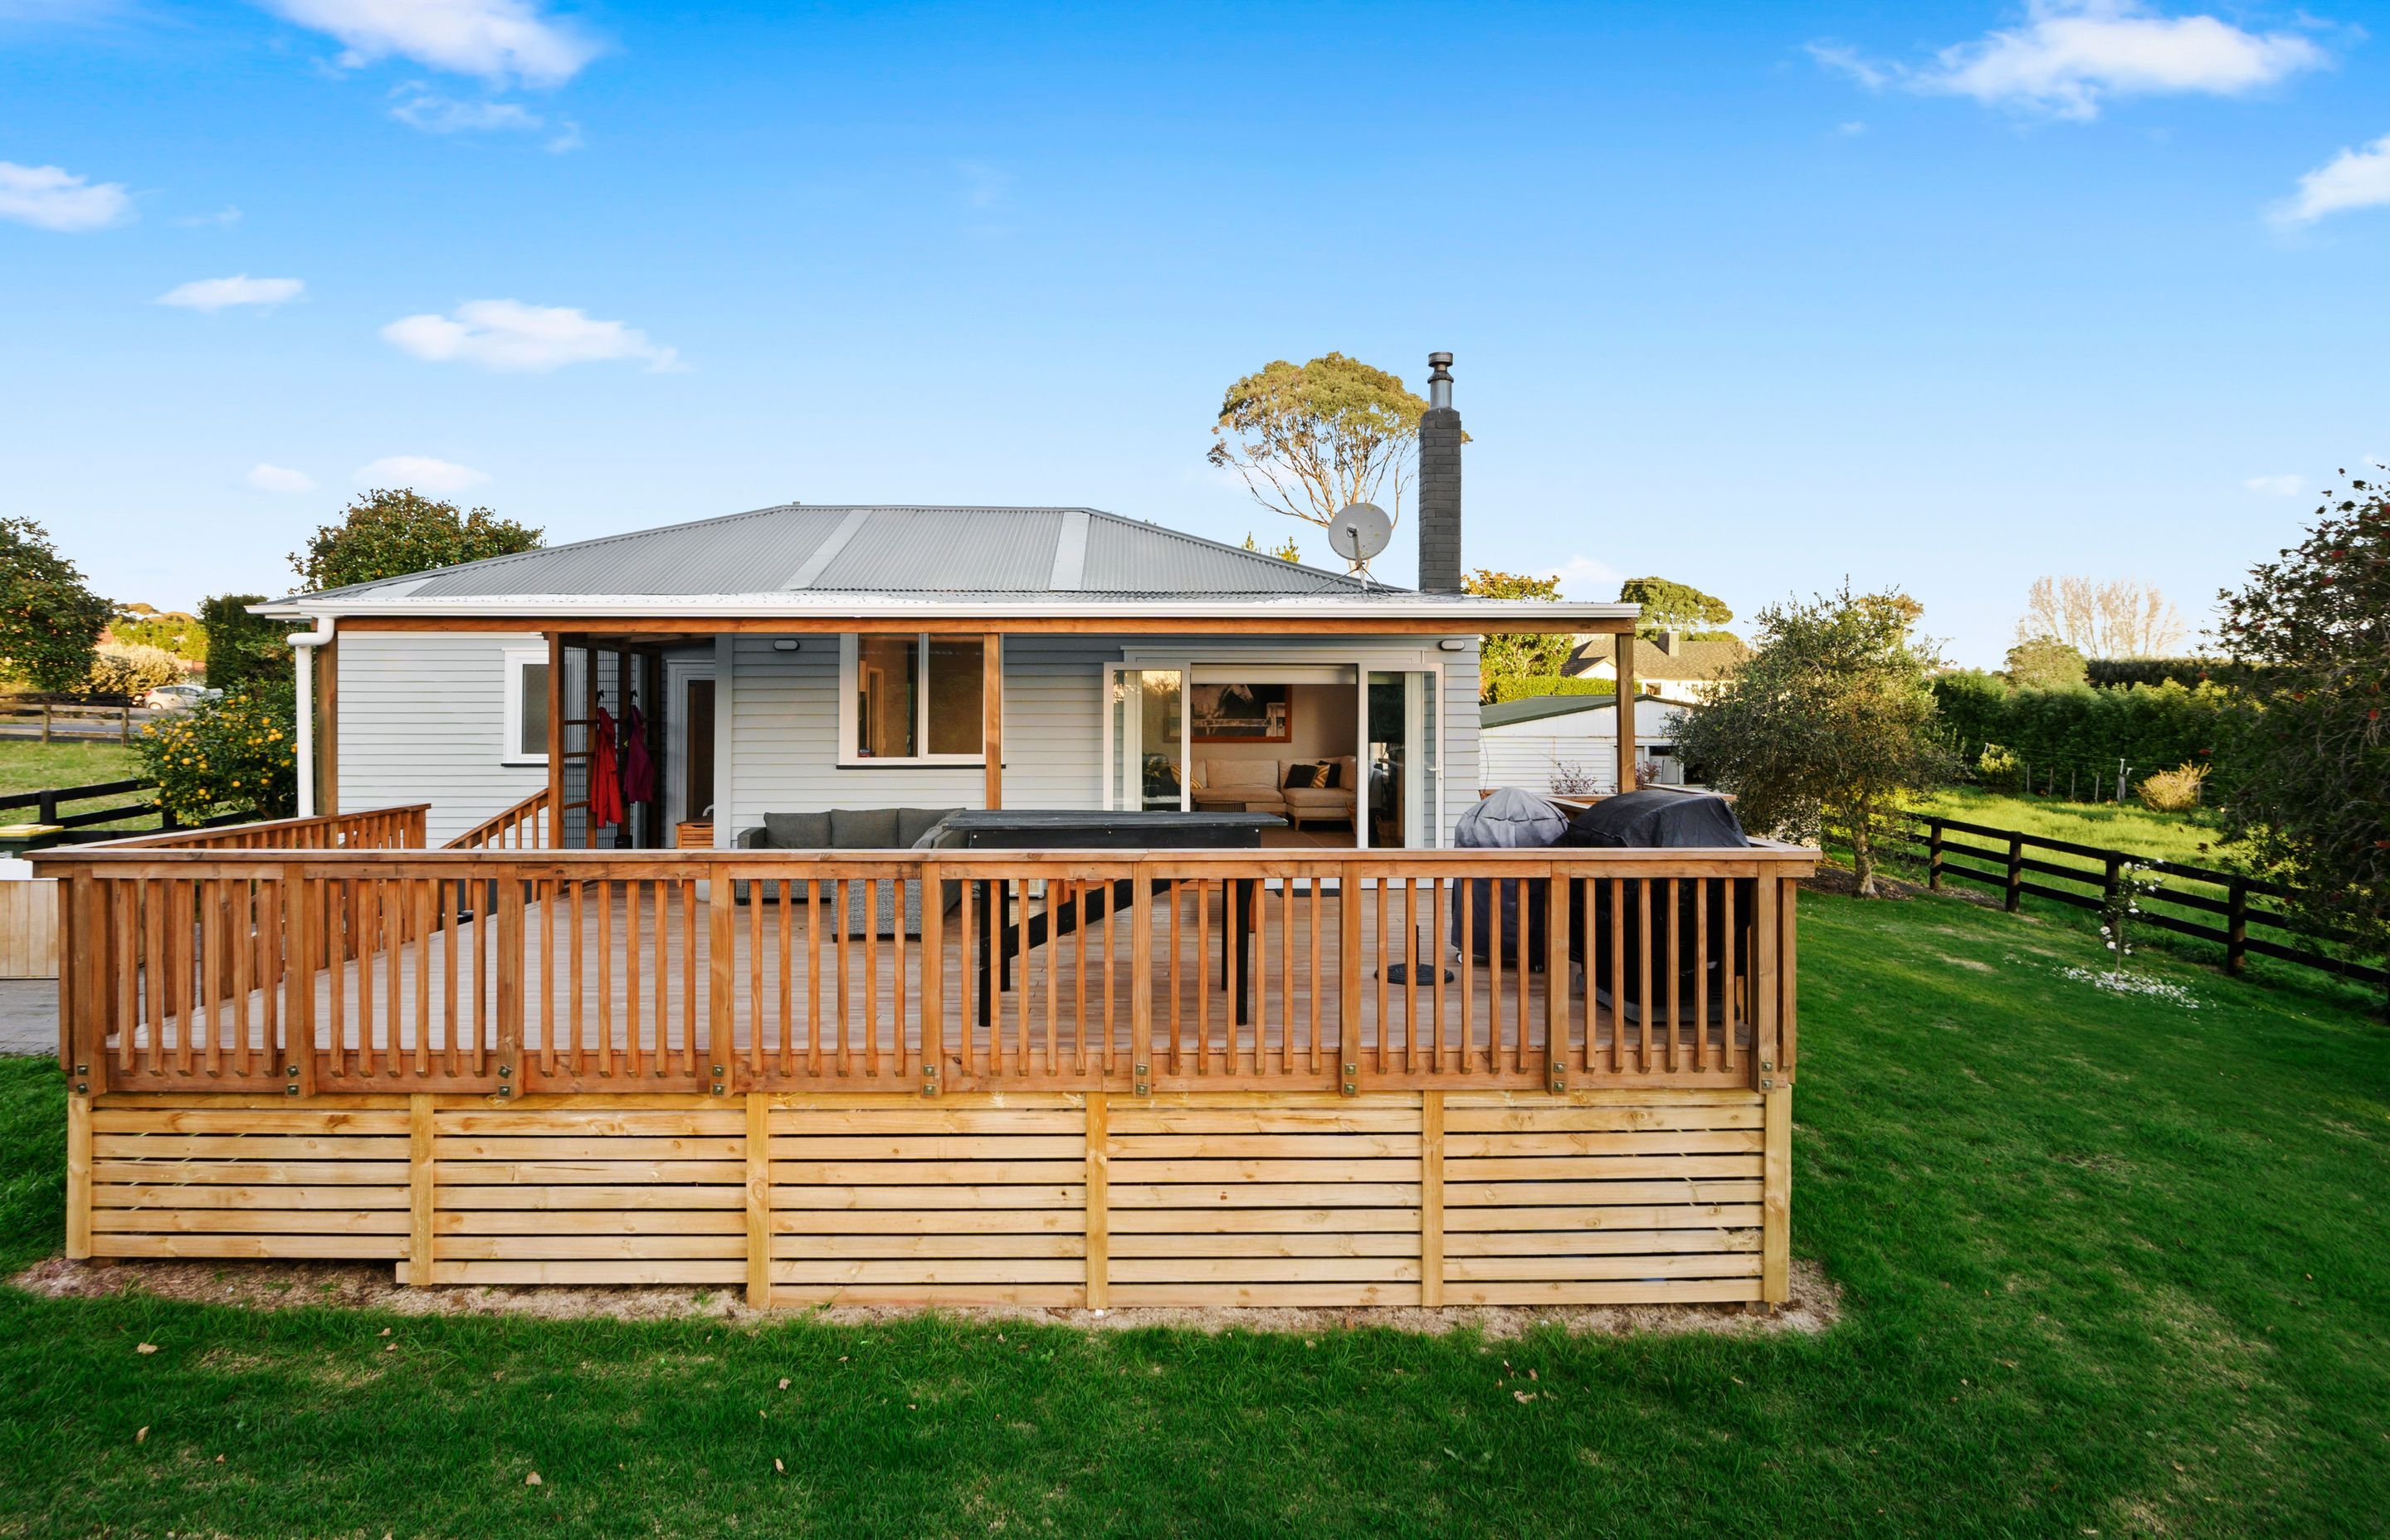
(2194, 839)
(28, 764)
(2110, 1266)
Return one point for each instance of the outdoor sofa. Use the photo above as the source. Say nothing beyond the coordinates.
(850, 828)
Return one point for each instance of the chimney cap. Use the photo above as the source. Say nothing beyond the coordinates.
(1438, 362)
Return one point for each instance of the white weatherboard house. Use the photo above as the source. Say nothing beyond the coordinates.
(1540, 742)
(800, 659)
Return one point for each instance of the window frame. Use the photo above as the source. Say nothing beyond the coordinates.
(510, 750)
(848, 666)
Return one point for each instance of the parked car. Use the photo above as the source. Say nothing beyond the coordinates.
(174, 697)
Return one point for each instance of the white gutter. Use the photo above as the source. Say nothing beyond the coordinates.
(1466, 614)
(302, 655)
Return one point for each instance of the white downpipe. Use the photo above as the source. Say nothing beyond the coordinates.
(302, 655)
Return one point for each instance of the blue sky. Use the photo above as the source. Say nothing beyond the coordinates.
(1754, 297)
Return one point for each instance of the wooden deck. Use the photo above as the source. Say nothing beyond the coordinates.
(515, 1066)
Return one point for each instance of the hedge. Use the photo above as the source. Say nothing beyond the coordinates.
(1532, 685)
(2150, 728)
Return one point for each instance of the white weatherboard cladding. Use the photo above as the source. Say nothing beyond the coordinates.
(423, 719)
(783, 735)
(781, 728)
(1529, 753)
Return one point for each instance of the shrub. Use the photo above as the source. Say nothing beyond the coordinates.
(1997, 768)
(243, 647)
(2175, 791)
(236, 755)
(1527, 686)
(122, 670)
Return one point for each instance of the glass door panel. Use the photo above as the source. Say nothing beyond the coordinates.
(1403, 805)
(1145, 760)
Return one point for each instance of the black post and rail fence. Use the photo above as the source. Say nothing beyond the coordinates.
(2021, 863)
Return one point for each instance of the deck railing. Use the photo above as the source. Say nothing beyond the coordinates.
(376, 828)
(506, 973)
(521, 827)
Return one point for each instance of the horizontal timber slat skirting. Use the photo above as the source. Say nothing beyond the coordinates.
(1396, 1198)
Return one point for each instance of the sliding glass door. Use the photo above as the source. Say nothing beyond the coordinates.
(1403, 806)
(1145, 737)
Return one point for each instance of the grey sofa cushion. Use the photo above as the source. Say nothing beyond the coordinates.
(862, 828)
(796, 830)
(914, 822)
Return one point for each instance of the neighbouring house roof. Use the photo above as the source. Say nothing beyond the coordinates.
(799, 559)
(1535, 708)
(1684, 659)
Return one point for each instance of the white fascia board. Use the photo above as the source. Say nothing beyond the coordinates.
(1466, 615)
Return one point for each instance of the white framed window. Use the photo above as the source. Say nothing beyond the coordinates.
(911, 698)
(526, 731)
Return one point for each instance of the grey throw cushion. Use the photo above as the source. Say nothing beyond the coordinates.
(796, 830)
(862, 828)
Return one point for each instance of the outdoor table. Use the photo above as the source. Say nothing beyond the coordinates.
(998, 942)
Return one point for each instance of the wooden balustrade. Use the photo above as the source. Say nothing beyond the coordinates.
(522, 827)
(316, 968)
(376, 828)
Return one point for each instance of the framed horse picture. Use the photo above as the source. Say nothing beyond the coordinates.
(1244, 714)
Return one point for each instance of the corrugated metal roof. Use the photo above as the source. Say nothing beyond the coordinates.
(896, 550)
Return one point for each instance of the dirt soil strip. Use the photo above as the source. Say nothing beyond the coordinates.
(1816, 1303)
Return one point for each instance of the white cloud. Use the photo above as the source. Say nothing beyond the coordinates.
(223, 218)
(512, 337)
(2275, 486)
(2353, 179)
(276, 478)
(419, 471)
(49, 198)
(2070, 56)
(1583, 578)
(496, 40)
(242, 289)
(434, 113)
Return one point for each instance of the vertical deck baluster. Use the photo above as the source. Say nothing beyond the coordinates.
(634, 903)
(1285, 978)
(449, 996)
(1729, 975)
(660, 1012)
(123, 898)
(1106, 937)
(1616, 891)
(1079, 976)
(1702, 972)
(1435, 952)
(604, 951)
(241, 898)
(1378, 974)
(576, 1009)
(814, 899)
(154, 970)
(339, 917)
(1203, 976)
(1020, 908)
(368, 892)
(1318, 983)
(1522, 971)
(1177, 897)
(755, 1017)
(688, 971)
(784, 891)
(1493, 976)
(1676, 1001)
(840, 925)
(1643, 997)
(1464, 903)
(1410, 974)
(210, 993)
(1584, 918)
(900, 1027)
(967, 935)
(870, 1023)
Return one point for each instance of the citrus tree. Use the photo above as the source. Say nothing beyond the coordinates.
(49, 621)
(234, 755)
(390, 533)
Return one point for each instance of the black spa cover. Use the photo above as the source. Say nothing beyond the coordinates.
(1697, 922)
(1657, 820)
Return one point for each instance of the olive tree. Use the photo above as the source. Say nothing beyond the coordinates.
(1828, 725)
(2310, 792)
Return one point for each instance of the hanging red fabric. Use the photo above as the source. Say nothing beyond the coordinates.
(605, 778)
(638, 770)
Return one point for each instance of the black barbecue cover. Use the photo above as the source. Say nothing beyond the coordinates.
(1657, 820)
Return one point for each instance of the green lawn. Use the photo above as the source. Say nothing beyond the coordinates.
(2109, 1266)
(28, 764)
(2192, 838)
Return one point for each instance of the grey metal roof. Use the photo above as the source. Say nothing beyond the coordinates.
(945, 552)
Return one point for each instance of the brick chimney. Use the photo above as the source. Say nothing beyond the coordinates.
(1439, 483)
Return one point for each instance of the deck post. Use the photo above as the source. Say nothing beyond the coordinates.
(1557, 1015)
(1623, 648)
(78, 1177)
(1432, 1198)
(1776, 1195)
(759, 1200)
(419, 1192)
(722, 949)
(303, 912)
(933, 978)
(1348, 981)
(1099, 1200)
(510, 986)
(991, 717)
(555, 740)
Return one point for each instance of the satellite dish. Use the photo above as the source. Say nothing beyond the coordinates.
(1359, 531)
